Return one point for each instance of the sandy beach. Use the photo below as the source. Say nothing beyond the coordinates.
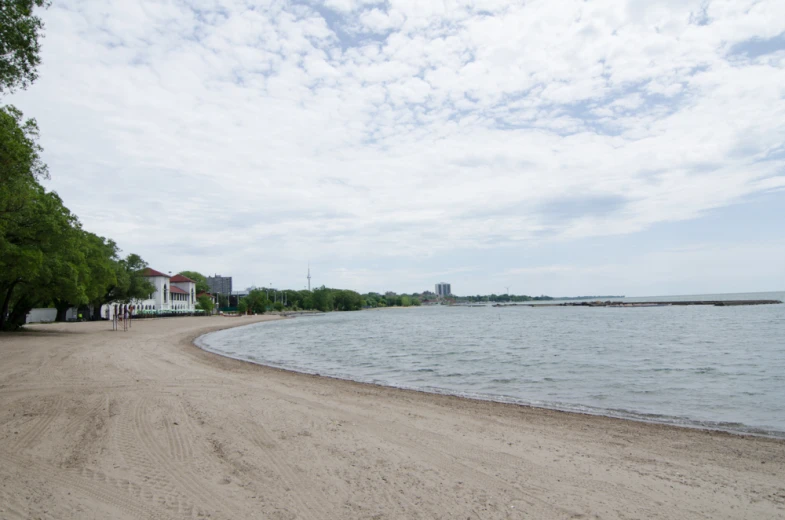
(143, 424)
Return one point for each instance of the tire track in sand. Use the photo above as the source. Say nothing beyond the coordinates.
(94, 484)
(179, 445)
(310, 507)
(450, 464)
(152, 484)
(40, 424)
(180, 476)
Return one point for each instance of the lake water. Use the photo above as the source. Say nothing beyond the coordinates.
(702, 366)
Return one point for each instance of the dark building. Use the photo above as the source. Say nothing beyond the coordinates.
(220, 284)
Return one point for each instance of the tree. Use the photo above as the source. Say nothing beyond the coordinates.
(45, 255)
(347, 301)
(129, 281)
(199, 278)
(20, 31)
(31, 221)
(20, 162)
(205, 303)
(39, 257)
(322, 299)
(256, 302)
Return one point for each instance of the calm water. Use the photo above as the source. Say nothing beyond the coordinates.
(717, 367)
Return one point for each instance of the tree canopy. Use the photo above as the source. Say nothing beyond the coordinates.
(46, 257)
(199, 278)
(205, 303)
(255, 302)
(20, 32)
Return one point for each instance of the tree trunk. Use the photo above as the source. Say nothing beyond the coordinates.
(96, 314)
(18, 315)
(6, 303)
(62, 309)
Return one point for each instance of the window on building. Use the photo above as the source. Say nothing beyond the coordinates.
(164, 293)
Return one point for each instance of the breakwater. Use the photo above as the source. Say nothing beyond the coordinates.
(717, 303)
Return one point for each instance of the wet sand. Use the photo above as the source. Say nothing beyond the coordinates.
(142, 424)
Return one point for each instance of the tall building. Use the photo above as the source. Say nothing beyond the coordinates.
(443, 289)
(220, 284)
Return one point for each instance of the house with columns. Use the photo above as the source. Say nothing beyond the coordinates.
(171, 293)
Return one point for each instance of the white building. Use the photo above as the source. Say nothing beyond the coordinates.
(170, 294)
(443, 289)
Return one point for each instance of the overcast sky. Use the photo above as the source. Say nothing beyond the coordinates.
(559, 147)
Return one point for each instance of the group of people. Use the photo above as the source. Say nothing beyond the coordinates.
(122, 313)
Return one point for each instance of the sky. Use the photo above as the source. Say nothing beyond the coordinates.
(553, 147)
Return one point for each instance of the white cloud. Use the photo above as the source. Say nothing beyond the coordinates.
(276, 128)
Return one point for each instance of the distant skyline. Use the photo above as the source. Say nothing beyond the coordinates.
(553, 147)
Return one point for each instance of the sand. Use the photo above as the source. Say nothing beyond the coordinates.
(102, 424)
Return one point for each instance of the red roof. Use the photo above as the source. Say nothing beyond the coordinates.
(181, 278)
(203, 294)
(148, 271)
(177, 290)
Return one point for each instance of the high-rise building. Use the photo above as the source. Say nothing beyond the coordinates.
(443, 289)
(220, 284)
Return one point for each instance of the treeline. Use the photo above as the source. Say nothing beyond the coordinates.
(46, 258)
(322, 299)
(374, 300)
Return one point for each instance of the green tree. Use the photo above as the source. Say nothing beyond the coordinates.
(20, 31)
(32, 222)
(199, 278)
(322, 299)
(94, 264)
(129, 281)
(39, 258)
(256, 302)
(20, 163)
(305, 299)
(205, 303)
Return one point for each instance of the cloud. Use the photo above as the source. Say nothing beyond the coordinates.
(363, 131)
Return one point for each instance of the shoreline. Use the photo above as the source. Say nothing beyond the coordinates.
(146, 424)
(636, 417)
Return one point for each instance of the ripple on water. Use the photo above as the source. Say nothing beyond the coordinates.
(719, 367)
